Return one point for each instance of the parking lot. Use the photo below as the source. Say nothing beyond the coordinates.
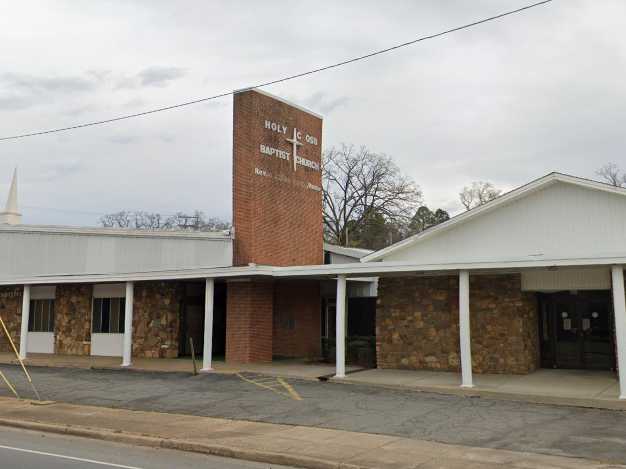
(591, 433)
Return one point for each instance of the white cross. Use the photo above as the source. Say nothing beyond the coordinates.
(296, 144)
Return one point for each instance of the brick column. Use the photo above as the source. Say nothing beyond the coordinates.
(297, 328)
(249, 311)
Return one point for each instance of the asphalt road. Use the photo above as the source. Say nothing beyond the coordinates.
(590, 433)
(21, 449)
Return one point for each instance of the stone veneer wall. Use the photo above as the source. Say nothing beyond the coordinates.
(156, 319)
(11, 314)
(72, 319)
(417, 324)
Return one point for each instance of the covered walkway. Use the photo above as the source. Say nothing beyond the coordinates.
(584, 388)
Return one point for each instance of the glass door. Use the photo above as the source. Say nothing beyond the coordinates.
(597, 337)
(568, 345)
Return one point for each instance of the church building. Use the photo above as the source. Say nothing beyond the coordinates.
(533, 279)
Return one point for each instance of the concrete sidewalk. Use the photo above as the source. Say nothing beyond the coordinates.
(579, 388)
(271, 443)
(291, 368)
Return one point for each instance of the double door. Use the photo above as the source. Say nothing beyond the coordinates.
(577, 330)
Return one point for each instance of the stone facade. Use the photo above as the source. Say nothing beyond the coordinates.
(297, 319)
(72, 319)
(417, 325)
(156, 319)
(504, 325)
(11, 314)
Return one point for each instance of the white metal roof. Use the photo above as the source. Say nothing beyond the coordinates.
(115, 232)
(357, 253)
(354, 270)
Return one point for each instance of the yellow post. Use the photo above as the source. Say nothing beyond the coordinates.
(8, 383)
(17, 354)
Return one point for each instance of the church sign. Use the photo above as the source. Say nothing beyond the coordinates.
(277, 181)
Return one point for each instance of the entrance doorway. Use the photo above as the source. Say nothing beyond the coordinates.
(576, 330)
(192, 320)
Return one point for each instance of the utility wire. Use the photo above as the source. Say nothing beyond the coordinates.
(283, 79)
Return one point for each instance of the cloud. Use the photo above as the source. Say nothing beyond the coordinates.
(157, 77)
(504, 102)
(15, 102)
(100, 75)
(323, 104)
(81, 110)
(124, 139)
(167, 138)
(160, 76)
(134, 103)
(36, 84)
(58, 169)
(21, 91)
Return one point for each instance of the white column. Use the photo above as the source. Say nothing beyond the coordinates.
(464, 330)
(619, 309)
(340, 328)
(128, 325)
(207, 353)
(25, 319)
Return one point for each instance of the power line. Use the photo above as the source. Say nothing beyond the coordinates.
(283, 79)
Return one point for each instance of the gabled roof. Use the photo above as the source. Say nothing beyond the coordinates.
(504, 199)
(356, 253)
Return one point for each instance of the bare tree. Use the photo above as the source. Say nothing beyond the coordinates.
(478, 193)
(141, 220)
(612, 174)
(359, 184)
(122, 219)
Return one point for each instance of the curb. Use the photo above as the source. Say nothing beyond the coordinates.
(496, 395)
(180, 445)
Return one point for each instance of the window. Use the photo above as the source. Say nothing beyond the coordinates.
(329, 316)
(108, 315)
(41, 317)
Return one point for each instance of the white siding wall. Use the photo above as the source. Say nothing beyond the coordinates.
(40, 342)
(566, 279)
(341, 259)
(560, 221)
(24, 253)
(107, 345)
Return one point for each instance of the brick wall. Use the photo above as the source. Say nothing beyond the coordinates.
(277, 219)
(249, 310)
(417, 324)
(297, 317)
(156, 319)
(72, 319)
(11, 314)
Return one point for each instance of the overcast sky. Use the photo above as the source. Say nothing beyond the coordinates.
(505, 102)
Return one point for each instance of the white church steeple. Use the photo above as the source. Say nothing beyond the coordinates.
(10, 215)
